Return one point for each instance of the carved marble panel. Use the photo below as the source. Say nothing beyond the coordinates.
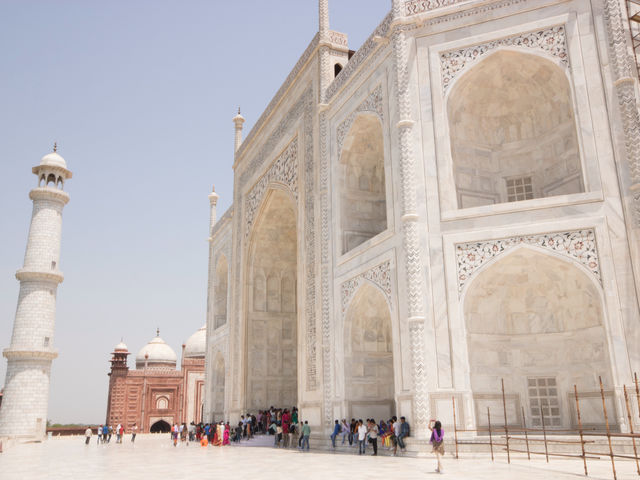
(379, 275)
(284, 170)
(579, 245)
(551, 41)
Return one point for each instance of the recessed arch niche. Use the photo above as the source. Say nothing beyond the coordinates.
(369, 378)
(271, 373)
(513, 131)
(220, 291)
(218, 386)
(536, 321)
(363, 205)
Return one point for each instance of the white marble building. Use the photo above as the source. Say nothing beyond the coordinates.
(455, 203)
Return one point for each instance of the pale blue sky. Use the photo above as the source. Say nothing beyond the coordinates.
(139, 96)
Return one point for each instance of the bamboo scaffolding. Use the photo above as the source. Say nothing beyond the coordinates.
(544, 434)
(506, 427)
(606, 420)
(635, 450)
(490, 439)
(584, 457)
(526, 437)
(455, 431)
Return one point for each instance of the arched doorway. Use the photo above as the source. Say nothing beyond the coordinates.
(513, 131)
(369, 379)
(271, 373)
(363, 201)
(160, 427)
(537, 321)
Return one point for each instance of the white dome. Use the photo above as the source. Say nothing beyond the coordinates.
(53, 160)
(121, 347)
(196, 345)
(159, 354)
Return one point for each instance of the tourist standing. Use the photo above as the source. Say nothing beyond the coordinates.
(336, 432)
(362, 435)
(396, 432)
(373, 436)
(344, 430)
(118, 437)
(134, 431)
(99, 434)
(110, 433)
(306, 433)
(105, 433)
(437, 441)
(87, 434)
(404, 433)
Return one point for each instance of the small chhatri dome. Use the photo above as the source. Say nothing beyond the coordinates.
(121, 347)
(157, 354)
(53, 159)
(196, 345)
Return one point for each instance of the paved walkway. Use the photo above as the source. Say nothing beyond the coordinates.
(153, 456)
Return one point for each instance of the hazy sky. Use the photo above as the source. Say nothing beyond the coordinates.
(139, 96)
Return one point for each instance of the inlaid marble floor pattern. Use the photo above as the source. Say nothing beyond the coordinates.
(153, 457)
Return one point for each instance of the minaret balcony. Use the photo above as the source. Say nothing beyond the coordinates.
(49, 193)
(55, 276)
(30, 353)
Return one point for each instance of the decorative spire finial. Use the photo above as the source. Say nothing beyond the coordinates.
(238, 110)
(55, 147)
(214, 188)
(158, 332)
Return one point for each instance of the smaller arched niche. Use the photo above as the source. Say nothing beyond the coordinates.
(218, 386)
(363, 202)
(513, 131)
(222, 280)
(162, 403)
(369, 379)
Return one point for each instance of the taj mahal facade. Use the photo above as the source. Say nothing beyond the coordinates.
(454, 205)
(451, 208)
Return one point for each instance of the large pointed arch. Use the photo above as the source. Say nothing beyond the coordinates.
(271, 374)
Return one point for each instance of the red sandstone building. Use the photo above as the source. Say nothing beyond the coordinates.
(156, 395)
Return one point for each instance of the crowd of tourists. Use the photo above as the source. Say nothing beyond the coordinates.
(289, 431)
(105, 432)
(389, 434)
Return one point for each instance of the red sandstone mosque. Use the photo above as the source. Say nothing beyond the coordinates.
(156, 395)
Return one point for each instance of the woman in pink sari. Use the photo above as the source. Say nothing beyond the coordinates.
(227, 430)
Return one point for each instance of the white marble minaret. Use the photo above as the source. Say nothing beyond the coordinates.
(26, 392)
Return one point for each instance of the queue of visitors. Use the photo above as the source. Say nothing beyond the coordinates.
(391, 434)
(289, 431)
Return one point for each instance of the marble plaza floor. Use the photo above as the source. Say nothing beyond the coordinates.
(154, 457)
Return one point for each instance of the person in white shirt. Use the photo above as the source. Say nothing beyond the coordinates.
(87, 434)
(362, 436)
(396, 433)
